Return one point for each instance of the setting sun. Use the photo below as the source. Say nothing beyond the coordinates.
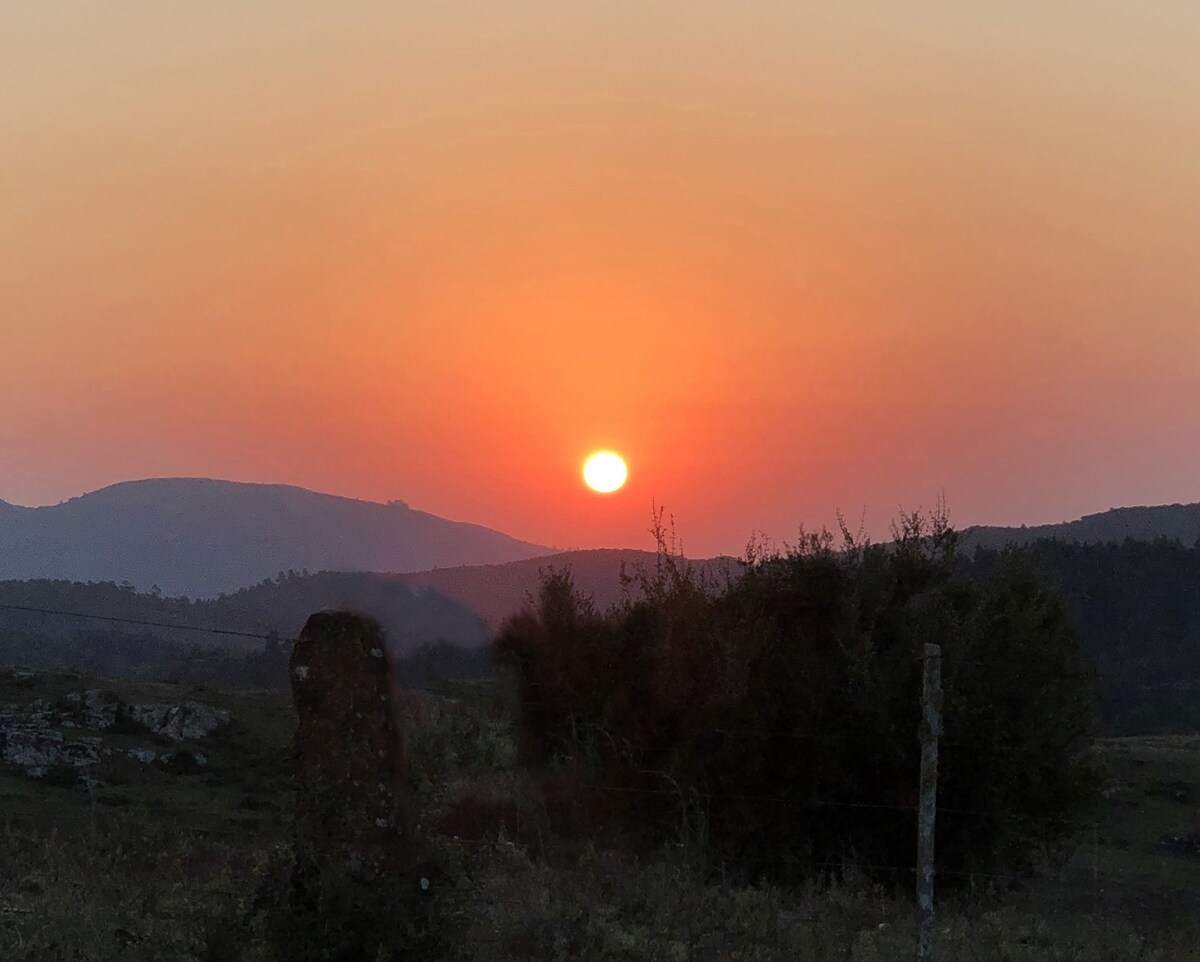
(605, 472)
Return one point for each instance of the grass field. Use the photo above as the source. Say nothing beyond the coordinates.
(149, 864)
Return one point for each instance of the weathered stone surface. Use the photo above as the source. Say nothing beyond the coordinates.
(354, 890)
(143, 755)
(185, 722)
(29, 740)
(1187, 844)
(93, 708)
(182, 761)
(351, 757)
(32, 736)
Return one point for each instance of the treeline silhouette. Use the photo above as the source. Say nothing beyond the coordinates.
(1136, 608)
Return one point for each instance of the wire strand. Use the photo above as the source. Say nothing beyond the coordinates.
(139, 621)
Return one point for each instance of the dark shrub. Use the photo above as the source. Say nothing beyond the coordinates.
(181, 761)
(475, 818)
(776, 718)
(439, 660)
(61, 776)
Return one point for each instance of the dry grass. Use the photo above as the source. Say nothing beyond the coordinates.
(178, 869)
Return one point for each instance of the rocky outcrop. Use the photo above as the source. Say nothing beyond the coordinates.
(31, 740)
(185, 722)
(93, 709)
(69, 737)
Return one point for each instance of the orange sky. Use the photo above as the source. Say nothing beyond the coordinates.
(785, 260)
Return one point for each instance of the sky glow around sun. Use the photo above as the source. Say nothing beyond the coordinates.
(792, 257)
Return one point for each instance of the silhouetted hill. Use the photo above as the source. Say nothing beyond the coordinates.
(199, 537)
(495, 591)
(1177, 521)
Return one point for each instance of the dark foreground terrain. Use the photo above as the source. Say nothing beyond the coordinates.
(158, 819)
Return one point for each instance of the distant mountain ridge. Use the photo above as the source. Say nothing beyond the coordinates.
(1180, 522)
(202, 537)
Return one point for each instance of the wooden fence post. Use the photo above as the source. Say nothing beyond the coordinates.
(931, 727)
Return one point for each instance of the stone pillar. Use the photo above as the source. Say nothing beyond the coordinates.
(354, 892)
(352, 806)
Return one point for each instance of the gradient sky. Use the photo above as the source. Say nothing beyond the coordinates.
(787, 257)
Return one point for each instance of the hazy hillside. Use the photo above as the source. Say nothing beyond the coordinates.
(201, 537)
(411, 615)
(1178, 521)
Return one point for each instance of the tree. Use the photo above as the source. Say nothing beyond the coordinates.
(777, 714)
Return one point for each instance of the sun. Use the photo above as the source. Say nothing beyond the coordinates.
(605, 471)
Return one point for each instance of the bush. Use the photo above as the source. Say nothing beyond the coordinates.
(775, 718)
(439, 660)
